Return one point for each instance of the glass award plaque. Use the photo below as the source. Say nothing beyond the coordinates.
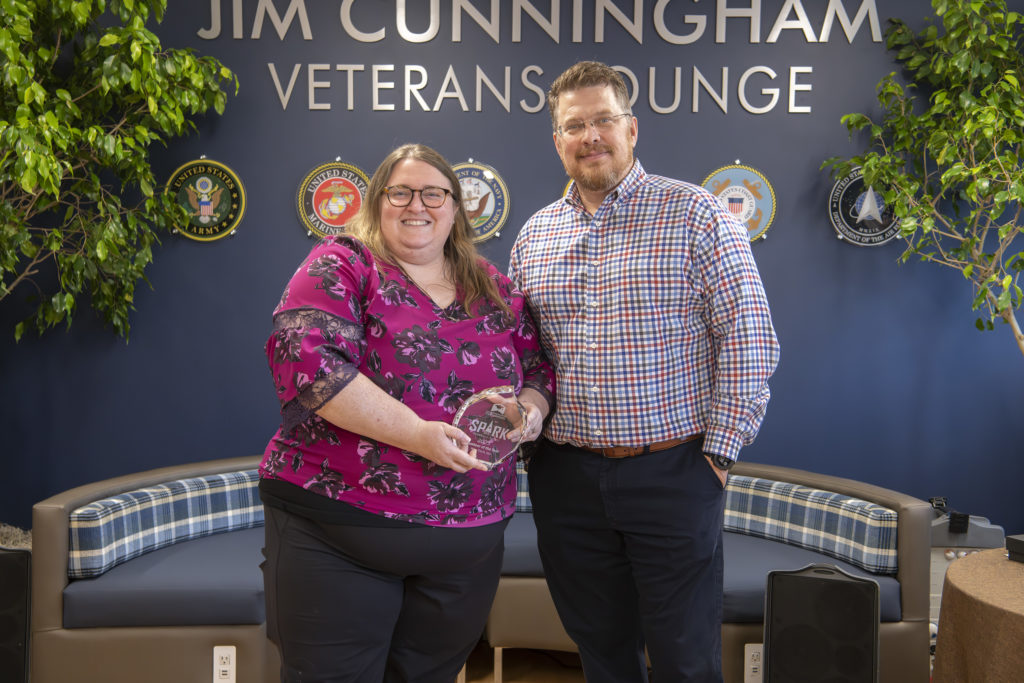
(488, 417)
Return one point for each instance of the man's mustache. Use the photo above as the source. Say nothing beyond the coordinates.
(590, 149)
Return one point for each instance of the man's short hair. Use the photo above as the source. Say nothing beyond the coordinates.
(585, 75)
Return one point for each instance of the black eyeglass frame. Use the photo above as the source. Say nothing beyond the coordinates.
(412, 193)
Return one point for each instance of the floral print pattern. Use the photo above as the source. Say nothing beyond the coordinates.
(345, 312)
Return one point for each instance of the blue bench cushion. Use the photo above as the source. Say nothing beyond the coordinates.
(216, 580)
(206, 581)
(844, 528)
(521, 555)
(107, 532)
(748, 559)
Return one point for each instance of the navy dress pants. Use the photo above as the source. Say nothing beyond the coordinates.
(360, 604)
(632, 552)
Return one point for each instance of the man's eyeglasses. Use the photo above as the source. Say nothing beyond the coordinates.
(432, 197)
(603, 124)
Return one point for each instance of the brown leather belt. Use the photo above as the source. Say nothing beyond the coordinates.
(630, 451)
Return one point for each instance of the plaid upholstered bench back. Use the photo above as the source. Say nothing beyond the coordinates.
(108, 532)
(850, 529)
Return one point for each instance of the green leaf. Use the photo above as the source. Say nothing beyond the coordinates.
(28, 181)
(53, 121)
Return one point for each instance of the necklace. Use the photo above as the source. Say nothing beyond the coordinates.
(441, 292)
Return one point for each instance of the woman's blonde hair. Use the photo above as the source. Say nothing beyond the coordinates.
(465, 264)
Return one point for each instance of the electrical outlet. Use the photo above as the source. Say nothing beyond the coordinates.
(753, 663)
(224, 664)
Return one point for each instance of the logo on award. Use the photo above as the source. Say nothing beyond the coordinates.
(213, 196)
(329, 196)
(859, 213)
(489, 418)
(746, 193)
(484, 197)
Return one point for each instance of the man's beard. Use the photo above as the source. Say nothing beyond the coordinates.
(601, 179)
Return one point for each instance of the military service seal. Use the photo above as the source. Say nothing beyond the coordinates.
(484, 197)
(329, 197)
(747, 194)
(859, 214)
(213, 196)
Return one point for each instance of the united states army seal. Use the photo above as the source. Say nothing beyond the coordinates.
(329, 197)
(213, 196)
(747, 194)
(859, 213)
(484, 197)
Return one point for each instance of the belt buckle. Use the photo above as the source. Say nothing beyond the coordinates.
(625, 451)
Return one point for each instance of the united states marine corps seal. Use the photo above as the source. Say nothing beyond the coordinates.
(484, 197)
(213, 196)
(859, 214)
(329, 197)
(747, 194)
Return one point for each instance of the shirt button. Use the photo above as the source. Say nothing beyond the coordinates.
(593, 303)
(593, 345)
(594, 389)
(598, 432)
(595, 262)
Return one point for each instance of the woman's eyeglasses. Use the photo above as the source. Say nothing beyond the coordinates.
(432, 197)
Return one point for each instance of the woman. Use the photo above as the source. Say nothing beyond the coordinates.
(383, 531)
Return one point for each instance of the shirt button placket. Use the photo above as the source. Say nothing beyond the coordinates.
(588, 377)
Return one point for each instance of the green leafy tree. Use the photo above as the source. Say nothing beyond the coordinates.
(86, 91)
(947, 148)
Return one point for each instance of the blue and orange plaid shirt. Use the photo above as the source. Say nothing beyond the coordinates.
(653, 314)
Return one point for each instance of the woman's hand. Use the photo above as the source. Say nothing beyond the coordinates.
(447, 446)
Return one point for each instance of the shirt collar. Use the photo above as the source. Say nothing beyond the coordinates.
(625, 189)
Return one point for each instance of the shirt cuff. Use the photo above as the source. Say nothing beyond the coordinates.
(722, 441)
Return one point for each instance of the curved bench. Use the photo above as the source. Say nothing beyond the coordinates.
(144, 574)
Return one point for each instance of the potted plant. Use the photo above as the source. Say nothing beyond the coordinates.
(945, 153)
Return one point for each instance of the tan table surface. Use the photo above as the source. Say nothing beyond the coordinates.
(981, 620)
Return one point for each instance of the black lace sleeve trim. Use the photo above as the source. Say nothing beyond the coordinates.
(331, 325)
(543, 391)
(337, 332)
(313, 397)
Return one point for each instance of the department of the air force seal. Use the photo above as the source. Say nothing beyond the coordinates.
(484, 197)
(859, 214)
(213, 196)
(747, 194)
(329, 196)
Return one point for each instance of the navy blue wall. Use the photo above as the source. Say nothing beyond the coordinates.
(883, 377)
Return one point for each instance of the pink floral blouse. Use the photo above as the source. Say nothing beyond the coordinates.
(344, 312)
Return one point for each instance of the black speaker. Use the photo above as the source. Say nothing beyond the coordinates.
(15, 575)
(820, 626)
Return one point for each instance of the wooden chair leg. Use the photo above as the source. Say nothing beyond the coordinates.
(497, 665)
(462, 675)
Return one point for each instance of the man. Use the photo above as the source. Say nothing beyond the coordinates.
(652, 310)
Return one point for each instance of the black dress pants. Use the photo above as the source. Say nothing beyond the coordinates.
(358, 604)
(632, 552)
